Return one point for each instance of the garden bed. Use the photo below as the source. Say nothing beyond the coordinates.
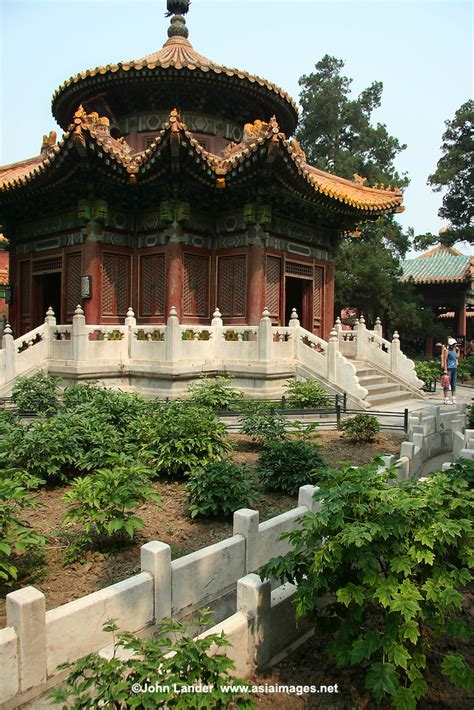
(169, 523)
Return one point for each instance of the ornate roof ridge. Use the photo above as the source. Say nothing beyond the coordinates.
(440, 249)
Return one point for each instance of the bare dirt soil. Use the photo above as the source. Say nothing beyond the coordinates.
(169, 522)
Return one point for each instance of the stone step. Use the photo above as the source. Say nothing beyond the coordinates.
(371, 380)
(382, 388)
(377, 400)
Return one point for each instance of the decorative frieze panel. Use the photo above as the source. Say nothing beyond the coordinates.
(65, 240)
(230, 222)
(232, 285)
(196, 285)
(273, 287)
(116, 273)
(152, 285)
(296, 249)
(48, 225)
(302, 232)
(195, 122)
(117, 240)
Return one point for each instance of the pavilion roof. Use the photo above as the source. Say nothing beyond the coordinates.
(261, 141)
(437, 266)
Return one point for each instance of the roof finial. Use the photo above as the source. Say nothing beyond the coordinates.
(177, 8)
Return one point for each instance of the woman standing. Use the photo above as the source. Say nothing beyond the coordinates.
(449, 363)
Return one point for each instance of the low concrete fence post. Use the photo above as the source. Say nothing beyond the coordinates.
(306, 498)
(155, 558)
(361, 339)
(131, 321)
(395, 352)
(265, 337)
(49, 324)
(246, 524)
(172, 336)
(378, 327)
(8, 345)
(79, 335)
(254, 601)
(26, 613)
(331, 353)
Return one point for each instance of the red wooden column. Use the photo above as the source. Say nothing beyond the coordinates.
(256, 282)
(13, 308)
(174, 278)
(92, 266)
(328, 300)
(462, 318)
(429, 346)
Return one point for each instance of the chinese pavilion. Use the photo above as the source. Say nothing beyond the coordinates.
(176, 183)
(445, 278)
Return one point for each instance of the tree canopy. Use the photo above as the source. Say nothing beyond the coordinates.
(338, 135)
(455, 173)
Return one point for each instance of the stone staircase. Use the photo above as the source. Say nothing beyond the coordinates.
(383, 389)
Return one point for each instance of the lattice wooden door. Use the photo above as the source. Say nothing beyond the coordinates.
(232, 286)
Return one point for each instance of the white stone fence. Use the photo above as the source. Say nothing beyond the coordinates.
(433, 431)
(36, 641)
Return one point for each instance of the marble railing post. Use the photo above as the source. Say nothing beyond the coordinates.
(49, 324)
(295, 324)
(378, 327)
(331, 355)
(172, 336)
(338, 325)
(131, 321)
(361, 339)
(395, 352)
(8, 345)
(79, 335)
(265, 337)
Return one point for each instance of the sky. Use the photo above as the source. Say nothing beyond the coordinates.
(422, 51)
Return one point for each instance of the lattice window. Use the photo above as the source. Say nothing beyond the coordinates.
(73, 283)
(295, 268)
(196, 285)
(318, 292)
(273, 286)
(115, 285)
(152, 285)
(232, 286)
(45, 266)
(25, 296)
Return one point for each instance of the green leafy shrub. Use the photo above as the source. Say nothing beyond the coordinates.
(363, 428)
(306, 394)
(103, 503)
(464, 368)
(66, 445)
(11, 436)
(118, 408)
(390, 559)
(286, 465)
(16, 536)
(178, 438)
(428, 370)
(261, 423)
(38, 393)
(215, 393)
(220, 488)
(171, 659)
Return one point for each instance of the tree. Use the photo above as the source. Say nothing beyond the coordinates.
(337, 135)
(455, 171)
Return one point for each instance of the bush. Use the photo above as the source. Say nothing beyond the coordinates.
(38, 393)
(428, 370)
(363, 428)
(11, 436)
(286, 465)
(306, 394)
(220, 488)
(390, 559)
(464, 368)
(120, 409)
(261, 424)
(66, 445)
(155, 661)
(103, 503)
(215, 393)
(16, 536)
(178, 438)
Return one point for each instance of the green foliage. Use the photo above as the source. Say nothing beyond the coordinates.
(215, 393)
(66, 445)
(361, 429)
(455, 175)
(464, 368)
(220, 488)
(168, 661)
(428, 370)
(262, 423)
(390, 559)
(38, 393)
(103, 503)
(16, 536)
(179, 437)
(306, 394)
(286, 465)
(120, 409)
